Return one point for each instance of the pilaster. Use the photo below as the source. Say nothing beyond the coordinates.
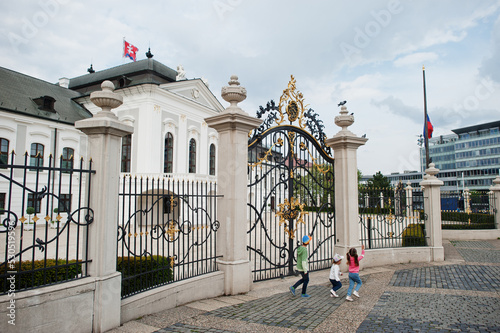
(104, 133)
(345, 145)
(233, 126)
(432, 210)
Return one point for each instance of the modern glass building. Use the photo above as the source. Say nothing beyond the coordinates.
(470, 157)
(467, 158)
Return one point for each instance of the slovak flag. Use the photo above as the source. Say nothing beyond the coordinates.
(129, 50)
(428, 128)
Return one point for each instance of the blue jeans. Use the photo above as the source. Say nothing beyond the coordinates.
(354, 278)
(336, 285)
(304, 281)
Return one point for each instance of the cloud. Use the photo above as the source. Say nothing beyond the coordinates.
(416, 59)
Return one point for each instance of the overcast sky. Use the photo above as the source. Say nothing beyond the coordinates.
(369, 53)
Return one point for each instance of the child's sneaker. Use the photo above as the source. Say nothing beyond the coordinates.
(292, 290)
(355, 293)
(333, 294)
(305, 295)
(349, 298)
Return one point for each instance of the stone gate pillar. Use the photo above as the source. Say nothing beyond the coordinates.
(432, 208)
(233, 126)
(495, 201)
(104, 133)
(345, 145)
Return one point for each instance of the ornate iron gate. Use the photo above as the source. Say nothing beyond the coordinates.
(291, 188)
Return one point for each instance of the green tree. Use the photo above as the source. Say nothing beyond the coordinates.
(379, 181)
(318, 182)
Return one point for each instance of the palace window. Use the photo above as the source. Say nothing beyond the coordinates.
(4, 151)
(168, 159)
(192, 156)
(36, 157)
(67, 159)
(64, 203)
(35, 203)
(212, 160)
(126, 152)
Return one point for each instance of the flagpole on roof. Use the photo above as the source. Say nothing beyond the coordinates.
(426, 129)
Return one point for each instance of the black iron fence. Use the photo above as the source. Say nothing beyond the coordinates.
(391, 217)
(44, 222)
(166, 231)
(468, 210)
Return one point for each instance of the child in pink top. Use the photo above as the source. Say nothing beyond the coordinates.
(353, 262)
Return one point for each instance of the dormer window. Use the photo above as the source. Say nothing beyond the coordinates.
(124, 81)
(45, 103)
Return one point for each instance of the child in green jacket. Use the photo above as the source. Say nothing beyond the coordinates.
(302, 267)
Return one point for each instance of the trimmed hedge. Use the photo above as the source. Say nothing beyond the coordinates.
(142, 273)
(471, 226)
(29, 275)
(413, 235)
(464, 217)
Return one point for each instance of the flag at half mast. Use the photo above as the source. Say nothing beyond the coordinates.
(129, 50)
(428, 128)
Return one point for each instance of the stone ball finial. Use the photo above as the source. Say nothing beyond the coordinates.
(432, 170)
(234, 93)
(106, 99)
(234, 80)
(107, 86)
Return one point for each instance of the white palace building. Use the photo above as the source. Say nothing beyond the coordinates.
(167, 111)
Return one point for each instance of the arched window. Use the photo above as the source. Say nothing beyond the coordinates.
(67, 159)
(4, 151)
(168, 158)
(212, 160)
(36, 156)
(126, 152)
(192, 156)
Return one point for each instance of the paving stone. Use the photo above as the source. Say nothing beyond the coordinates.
(285, 310)
(472, 244)
(403, 312)
(466, 277)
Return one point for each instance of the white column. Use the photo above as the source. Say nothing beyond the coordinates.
(345, 145)
(409, 199)
(182, 156)
(432, 208)
(104, 133)
(233, 126)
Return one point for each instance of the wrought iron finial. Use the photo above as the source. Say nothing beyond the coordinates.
(149, 55)
(91, 69)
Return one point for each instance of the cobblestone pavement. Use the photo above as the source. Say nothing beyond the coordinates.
(461, 295)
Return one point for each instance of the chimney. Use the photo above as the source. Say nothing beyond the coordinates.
(64, 82)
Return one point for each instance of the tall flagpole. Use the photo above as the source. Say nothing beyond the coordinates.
(426, 129)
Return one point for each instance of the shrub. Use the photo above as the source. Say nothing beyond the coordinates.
(39, 273)
(142, 273)
(464, 217)
(413, 235)
(468, 226)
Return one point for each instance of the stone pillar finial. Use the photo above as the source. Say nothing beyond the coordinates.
(234, 93)
(432, 171)
(344, 120)
(106, 99)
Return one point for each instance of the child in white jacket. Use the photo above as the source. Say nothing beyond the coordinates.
(335, 274)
